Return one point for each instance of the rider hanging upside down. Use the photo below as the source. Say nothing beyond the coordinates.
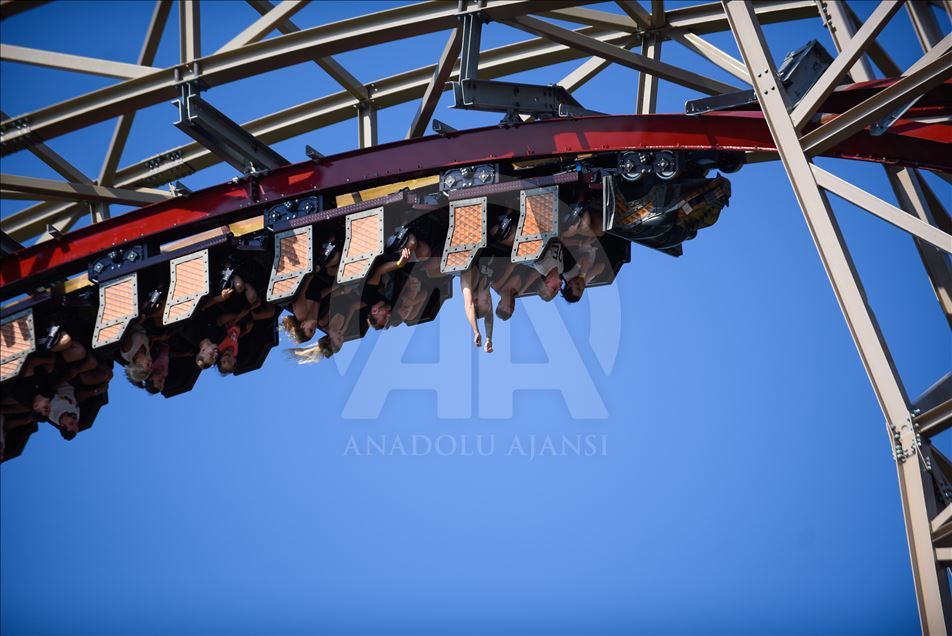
(377, 303)
(228, 347)
(582, 265)
(478, 303)
(336, 314)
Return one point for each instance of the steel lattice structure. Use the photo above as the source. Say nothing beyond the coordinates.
(784, 128)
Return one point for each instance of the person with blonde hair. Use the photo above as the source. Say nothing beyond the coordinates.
(340, 310)
(322, 349)
(301, 323)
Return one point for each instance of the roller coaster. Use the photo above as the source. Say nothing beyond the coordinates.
(551, 199)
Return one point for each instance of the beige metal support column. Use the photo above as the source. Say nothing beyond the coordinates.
(936, 265)
(366, 124)
(838, 22)
(337, 72)
(931, 588)
(924, 24)
(160, 15)
(264, 25)
(190, 37)
(591, 67)
(907, 186)
(648, 83)
(437, 83)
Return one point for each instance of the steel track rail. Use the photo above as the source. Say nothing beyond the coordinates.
(240, 199)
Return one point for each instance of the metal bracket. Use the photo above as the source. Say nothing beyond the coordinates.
(906, 441)
(942, 485)
(312, 154)
(178, 189)
(17, 125)
(165, 168)
(514, 99)
(116, 262)
(468, 177)
(881, 126)
(441, 128)
(292, 209)
(800, 70)
(213, 129)
(8, 245)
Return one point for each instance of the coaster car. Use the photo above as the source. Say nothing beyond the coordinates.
(665, 214)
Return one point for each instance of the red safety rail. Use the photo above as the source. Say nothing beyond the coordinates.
(908, 143)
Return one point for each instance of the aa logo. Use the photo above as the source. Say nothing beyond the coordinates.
(470, 383)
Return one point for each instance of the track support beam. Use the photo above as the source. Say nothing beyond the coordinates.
(213, 129)
(932, 590)
(366, 124)
(43, 188)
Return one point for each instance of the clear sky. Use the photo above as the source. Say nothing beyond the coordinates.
(737, 477)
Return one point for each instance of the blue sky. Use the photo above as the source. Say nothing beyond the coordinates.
(743, 481)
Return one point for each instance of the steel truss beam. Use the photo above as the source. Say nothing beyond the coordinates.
(190, 33)
(55, 161)
(32, 221)
(647, 98)
(264, 25)
(591, 67)
(389, 91)
(699, 19)
(249, 60)
(337, 72)
(910, 191)
(120, 134)
(941, 519)
(638, 15)
(75, 63)
(836, 16)
(849, 55)
(43, 188)
(935, 420)
(935, 395)
(657, 13)
(398, 89)
(883, 210)
(366, 124)
(184, 160)
(621, 56)
(876, 53)
(924, 24)
(711, 53)
(879, 105)
(437, 84)
(918, 500)
(213, 129)
(907, 185)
